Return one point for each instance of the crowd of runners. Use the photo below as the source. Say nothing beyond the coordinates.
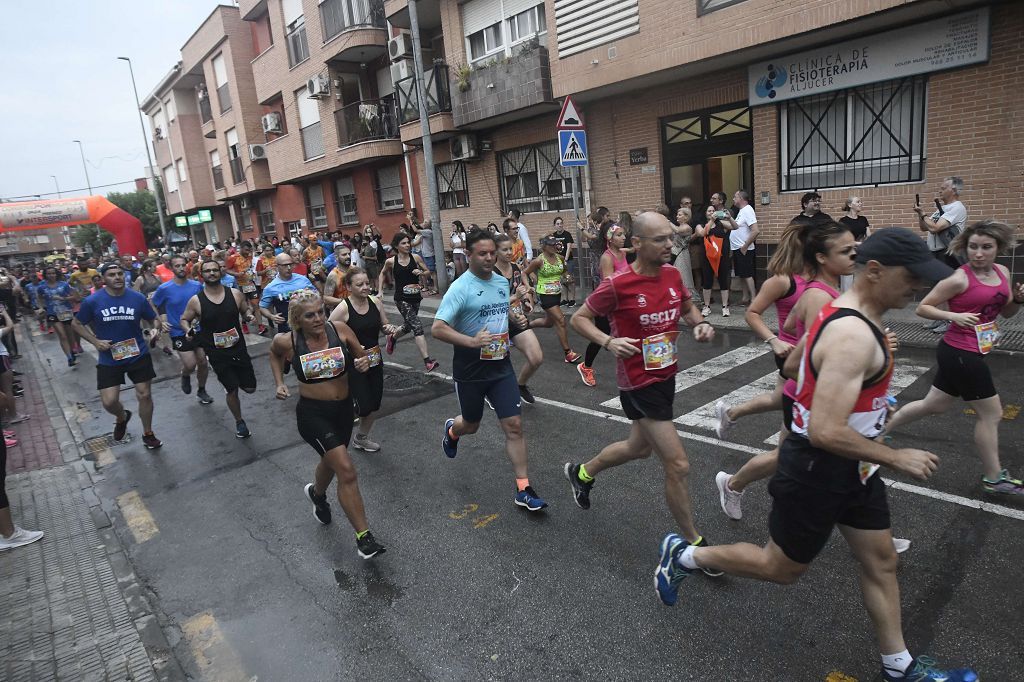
(835, 357)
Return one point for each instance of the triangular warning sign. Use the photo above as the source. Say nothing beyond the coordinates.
(573, 150)
(569, 118)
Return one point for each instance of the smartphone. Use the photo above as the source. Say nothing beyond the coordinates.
(720, 214)
(917, 200)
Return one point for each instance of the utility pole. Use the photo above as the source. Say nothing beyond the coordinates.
(428, 150)
(84, 167)
(149, 157)
(57, 184)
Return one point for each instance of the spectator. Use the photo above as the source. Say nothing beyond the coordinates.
(524, 234)
(858, 224)
(715, 231)
(681, 250)
(811, 211)
(566, 249)
(742, 241)
(426, 233)
(457, 240)
(946, 222)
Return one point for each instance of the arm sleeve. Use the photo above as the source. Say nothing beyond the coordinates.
(159, 298)
(603, 300)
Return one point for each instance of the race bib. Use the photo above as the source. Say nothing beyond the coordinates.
(497, 349)
(516, 309)
(323, 364)
(551, 288)
(124, 350)
(411, 289)
(248, 288)
(225, 339)
(374, 355)
(64, 315)
(660, 350)
(988, 336)
(866, 471)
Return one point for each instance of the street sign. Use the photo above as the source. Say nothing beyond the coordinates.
(572, 147)
(194, 219)
(569, 118)
(180, 221)
(205, 216)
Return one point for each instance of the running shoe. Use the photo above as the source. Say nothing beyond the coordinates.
(241, 429)
(572, 357)
(120, 428)
(448, 444)
(669, 573)
(10, 442)
(19, 538)
(9, 434)
(525, 394)
(586, 374)
(572, 302)
(725, 311)
(710, 572)
(72, 361)
(186, 383)
(262, 330)
(529, 499)
(1006, 485)
(363, 442)
(705, 311)
(321, 507)
(204, 397)
(901, 545)
(18, 393)
(151, 441)
(368, 547)
(389, 346)
(724, 423)
(923, 669)
(430, 365)
(580, 490)
(730, 499)
(245, 328)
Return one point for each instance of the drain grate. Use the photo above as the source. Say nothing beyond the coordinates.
(406, 381)
(104, 442)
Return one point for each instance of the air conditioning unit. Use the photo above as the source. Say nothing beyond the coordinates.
(464, 147)
(400, 47)
(318, 87)
(257, 152)
(245, 203)
(401, 70)
(271, 122)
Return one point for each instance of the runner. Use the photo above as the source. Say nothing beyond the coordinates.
(474, 318)
(365, 316)
(407, 268)
(170, 300)
(521, 302)
(322, 354)
(976, 293)
(550, 267)
(218, 309)
(335, 290)
(55, 300)
(845, 366)
(276, 293)
(111, 320)
(9, 385)
(566, 249)
(612, 261)
(644, 305)
(240, 266)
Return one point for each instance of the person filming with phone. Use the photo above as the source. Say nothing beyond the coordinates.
(946, 222)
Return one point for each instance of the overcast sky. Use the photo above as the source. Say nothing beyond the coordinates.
(62, 81)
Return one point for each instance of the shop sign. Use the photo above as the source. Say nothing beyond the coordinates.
(194, 219)
(205, 216)
(638, 157)
(180, 221)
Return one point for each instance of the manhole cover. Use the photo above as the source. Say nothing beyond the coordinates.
(104, 442)
(406, 381)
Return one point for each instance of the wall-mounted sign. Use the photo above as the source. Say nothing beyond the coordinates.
(638, 157)
(935, 45)
(205, 216)
(649, 170)
(194, 219)
(180, 221)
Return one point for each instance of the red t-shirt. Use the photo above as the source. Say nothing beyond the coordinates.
(164, 273)
(645, 308)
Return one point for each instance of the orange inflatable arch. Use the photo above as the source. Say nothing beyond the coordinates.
(37, 215)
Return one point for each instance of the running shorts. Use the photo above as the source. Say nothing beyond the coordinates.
(140, 371)
(787, 412)
(743, 263)
(367, 389)
(183, 344)
(963, 374)
(549, 300)
(52, 319)
(502, 392)
(653, 401)
(233, 370)
(324, 424)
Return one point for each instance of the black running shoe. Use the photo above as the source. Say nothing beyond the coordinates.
(321, 507)
(580, 490)
(121, 428)
(701, 542)
(186, 383)
(241, 430)
(151, 441)
(204, 397)
(525, 394)
(368, 547)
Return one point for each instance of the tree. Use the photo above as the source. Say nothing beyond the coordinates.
(91, 234)
(142, 205)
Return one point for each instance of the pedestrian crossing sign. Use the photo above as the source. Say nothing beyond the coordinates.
(572, 147)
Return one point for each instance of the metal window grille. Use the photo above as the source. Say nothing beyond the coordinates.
(338, 15)
(532, 180)
(452, 188)
(298, 46)
(244, 217)
(705, 6)
(870, 135)
(205, 114)
(439, 96)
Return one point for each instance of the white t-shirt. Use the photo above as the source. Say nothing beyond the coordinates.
(525, 236)
(744, 219)
(956, 215)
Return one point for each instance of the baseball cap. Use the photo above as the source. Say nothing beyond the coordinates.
(107, 266)
(897, 246)
(548, 241)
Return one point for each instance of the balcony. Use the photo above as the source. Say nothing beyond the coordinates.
(312, 141)
(224, 97)
(354, 30)
(506, 89)
(428, 12)
(218, 177)
(237, 172)
(366, 120)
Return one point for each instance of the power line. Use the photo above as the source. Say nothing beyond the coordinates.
(66, 191)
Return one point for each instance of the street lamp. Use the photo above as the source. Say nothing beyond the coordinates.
(149, 157)
(57, 184)
(84, 167)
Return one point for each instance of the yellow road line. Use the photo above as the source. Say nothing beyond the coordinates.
(836, 676)
(214, 656)
(140, 521)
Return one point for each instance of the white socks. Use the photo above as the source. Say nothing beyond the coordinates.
(686, 558)
(897, 664)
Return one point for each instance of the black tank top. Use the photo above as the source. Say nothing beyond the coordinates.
(314, 367)
(367, 326)
(219, 329)
(404, 278)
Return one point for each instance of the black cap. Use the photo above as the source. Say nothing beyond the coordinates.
(111, 264)
(548, 241)
(898, 246)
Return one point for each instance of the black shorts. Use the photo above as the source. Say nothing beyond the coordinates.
(743, 263)
(787, 412)
(502, 392)
(963, 373)
(367, 389)
(233, 370)
(253, 295)
(52, 319)
(139, 372)
(324, 424)
(653, 401)
(184, 344)
(549, 300)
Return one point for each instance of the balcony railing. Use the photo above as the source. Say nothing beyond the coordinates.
(224, 97)
(237, 173)
(369, 119)
(312, 141)
(340, 15)
(205, 113)
(218, 177)
(439, 96)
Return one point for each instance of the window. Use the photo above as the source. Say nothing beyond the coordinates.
(389, 188)
(266, 215)
(298, 47)
(169, 108)
(532, 180)
(451, 185)
(869, 135)
(703, 127)
(170, 179)
(486, 42)
(159, 125)
(220, 75)
(705, 6)
(309, 124)
(315, 204)
(583, 24)
(216, 170)
(523, 25)
(234, 157)
(244, 216)
(345, 200)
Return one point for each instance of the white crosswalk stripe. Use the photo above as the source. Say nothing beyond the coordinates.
(704, 417)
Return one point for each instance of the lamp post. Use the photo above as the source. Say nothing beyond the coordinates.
(84, 167)
(149, 157)
(57, 184)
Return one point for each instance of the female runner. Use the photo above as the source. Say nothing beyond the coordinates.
(406, 268)
(550, 267)
(521, 301)
(612, 261)
(56, 300)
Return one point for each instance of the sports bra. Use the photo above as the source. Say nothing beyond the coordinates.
(314, 367)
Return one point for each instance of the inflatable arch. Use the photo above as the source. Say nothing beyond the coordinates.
(37, 215)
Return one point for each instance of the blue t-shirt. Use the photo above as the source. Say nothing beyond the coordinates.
(229, 281)
(279, 290)
(469, 305)
(48, 297)
(118, 319)
(172, 298)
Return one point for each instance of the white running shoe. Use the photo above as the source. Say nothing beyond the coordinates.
(706, 310)
(363, 442)
(725, 311)
(901, 545)
(724, 423)
(730, 499)
(19, 538)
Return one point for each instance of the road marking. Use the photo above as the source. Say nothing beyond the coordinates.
(709, 369)
(214, 656)
(140, 521)
(105, 457)
(836, 676)
(957, 499)
(1010, 412)
(704, 417)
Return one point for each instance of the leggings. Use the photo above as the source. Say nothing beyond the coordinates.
(410, 311)
(593, 348)
(4, 502)
(724, 273)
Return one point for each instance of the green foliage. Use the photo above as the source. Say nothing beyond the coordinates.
(91, 234)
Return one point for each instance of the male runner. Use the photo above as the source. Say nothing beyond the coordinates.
(274, 299)
(240, 266)
(170, 300)
(473, 317)
(334, 288)
(115, 314)
(644, 305)
(218, 308)
(827, 468)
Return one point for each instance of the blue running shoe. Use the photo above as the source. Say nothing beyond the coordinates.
(450, 447)
(922, 669)
(530, 499)
(669, 574)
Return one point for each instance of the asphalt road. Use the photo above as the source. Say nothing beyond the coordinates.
(250, 586)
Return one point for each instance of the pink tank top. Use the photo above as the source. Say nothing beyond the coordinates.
(618, 265)
(984, 300)
(784, 306)
(789, 388)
